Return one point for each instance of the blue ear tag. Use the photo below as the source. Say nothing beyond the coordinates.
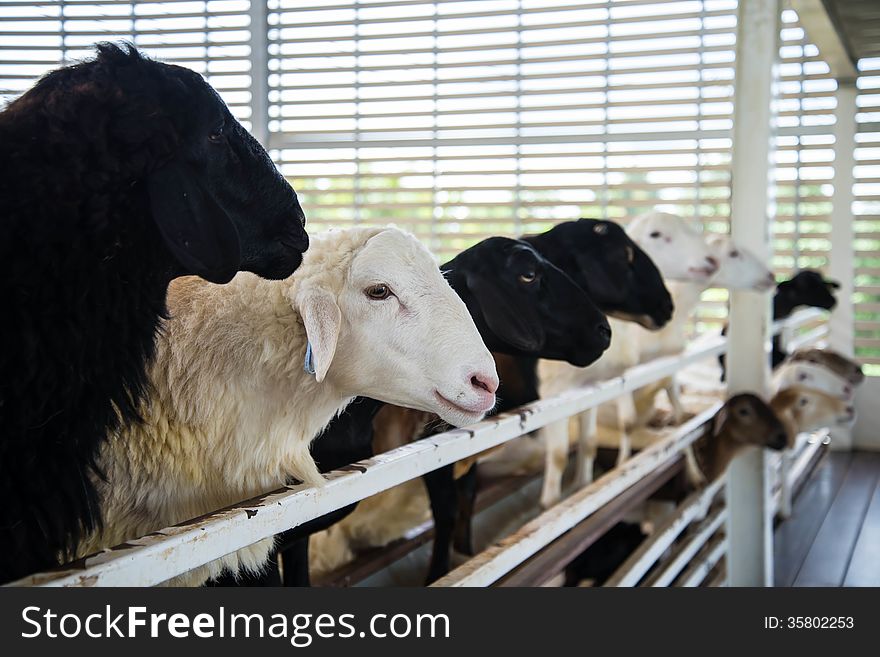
(309, 364)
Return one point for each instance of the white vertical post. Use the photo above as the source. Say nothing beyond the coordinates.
(259, 13)
(750, 518)
(841, 267)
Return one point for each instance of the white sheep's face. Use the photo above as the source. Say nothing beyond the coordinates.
(813, 409)
(406, 336)
(679, 251)
(739, 269)
(814, 377)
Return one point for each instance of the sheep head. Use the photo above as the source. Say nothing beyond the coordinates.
(606, 262)
(746, 419)
(841, 365)
(739, 268)
(384, 323)
(816, 377)
(803, 409)
(131, 123)
(678, 249)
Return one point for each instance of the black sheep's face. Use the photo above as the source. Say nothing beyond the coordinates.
(220, 202)
(810, 288)
(524, 305)
(620, 276)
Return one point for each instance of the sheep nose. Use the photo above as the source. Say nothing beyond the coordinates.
(484, 381)
(713, 263)
(847, 390)
(604, 333)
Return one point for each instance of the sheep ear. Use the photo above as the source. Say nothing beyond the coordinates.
(322, 320)
(720, 419)
(516, 324)
(198, 232)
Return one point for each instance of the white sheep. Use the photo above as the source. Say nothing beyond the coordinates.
(738, 269)
(810, 375)
(232, 410)
(804, 409)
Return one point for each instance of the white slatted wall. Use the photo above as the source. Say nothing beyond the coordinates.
(867, 211)
(417, 112)
(209, 37)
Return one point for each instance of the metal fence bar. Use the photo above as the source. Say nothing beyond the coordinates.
(703, 564)
(684, 554)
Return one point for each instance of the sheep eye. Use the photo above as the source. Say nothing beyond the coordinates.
(528, 277)
(378, 292)
(734, 254)
(802, 377)
(600, 229)
(804, 401)
(217, 134)
(630, 255)
(743, 412)
(655, 234)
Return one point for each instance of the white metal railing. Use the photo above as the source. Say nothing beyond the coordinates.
(155, 558)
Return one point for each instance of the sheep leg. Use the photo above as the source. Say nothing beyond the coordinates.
(626, 415)
(555, 437)
(466, 486)
(644, 401)
(295, 559)
(673, 391)
(586, 447)
(444, 507)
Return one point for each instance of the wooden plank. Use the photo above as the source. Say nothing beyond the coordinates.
(795, 536)
(553, 559)
(864, 567)
(826, 562)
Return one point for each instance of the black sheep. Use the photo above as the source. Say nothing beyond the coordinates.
(622, 280)
(118, 175)
(806, 288)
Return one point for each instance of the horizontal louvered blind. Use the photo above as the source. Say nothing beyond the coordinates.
(465, 119)
(212, 38)
(867, 216)
(804, 154)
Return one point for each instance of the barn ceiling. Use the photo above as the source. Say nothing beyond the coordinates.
(858, 23)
